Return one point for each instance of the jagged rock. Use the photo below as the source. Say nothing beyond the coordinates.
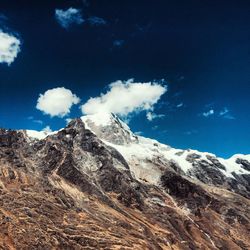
(215, 162)
(192, 157)
(245, 164)
(207, 173)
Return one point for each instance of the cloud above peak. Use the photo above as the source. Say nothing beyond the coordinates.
(68, 17)
(126, 97)
(9, 47)
(57, 102)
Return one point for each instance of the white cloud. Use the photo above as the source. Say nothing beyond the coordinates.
(138, 133)
(9, 47)
(179, 105)
(57, 101)
(35, 120)
(125, 97)
(68, 17)
(38, 121)
(208, 113)
(225, 113)
(229, 117)
(151, 116)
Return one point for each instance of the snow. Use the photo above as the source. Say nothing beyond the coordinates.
(40, 135)
(145, 149)
(141, 152)
(36, 134)
(231, 165)
(241, 156)
(137, 155)
(108, 124)
(179, 159)
(99, 119)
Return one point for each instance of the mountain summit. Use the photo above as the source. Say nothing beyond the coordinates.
(97, 185)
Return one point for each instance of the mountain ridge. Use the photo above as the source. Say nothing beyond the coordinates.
(81, 188)
(43, 134)
(136, 149)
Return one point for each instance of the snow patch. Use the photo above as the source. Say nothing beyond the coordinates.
(231, 165)
(40, 135)
(99, 119)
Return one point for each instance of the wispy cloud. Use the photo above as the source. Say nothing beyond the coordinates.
(9, 47)
(177, 94)
(68, 17)
(38, 121)
(208, 113)
(226, 114)
(138, 133)
(151, 116)
(179, 105)
(229, 117)
(35, 120)
(155, 127)
(96, 21)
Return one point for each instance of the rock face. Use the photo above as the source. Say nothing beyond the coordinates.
(95, 185)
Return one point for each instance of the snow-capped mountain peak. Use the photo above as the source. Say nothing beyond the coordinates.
(109, 127)
(148, 158)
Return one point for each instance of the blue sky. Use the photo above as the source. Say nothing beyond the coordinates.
(189, 61)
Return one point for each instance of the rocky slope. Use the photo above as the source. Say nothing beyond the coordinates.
(96, 185)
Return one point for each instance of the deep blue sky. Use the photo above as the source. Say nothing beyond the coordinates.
(200, 48)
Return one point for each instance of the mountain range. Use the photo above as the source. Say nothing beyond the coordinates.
(96, 185)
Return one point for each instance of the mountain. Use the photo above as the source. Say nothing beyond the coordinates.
(97, 185)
